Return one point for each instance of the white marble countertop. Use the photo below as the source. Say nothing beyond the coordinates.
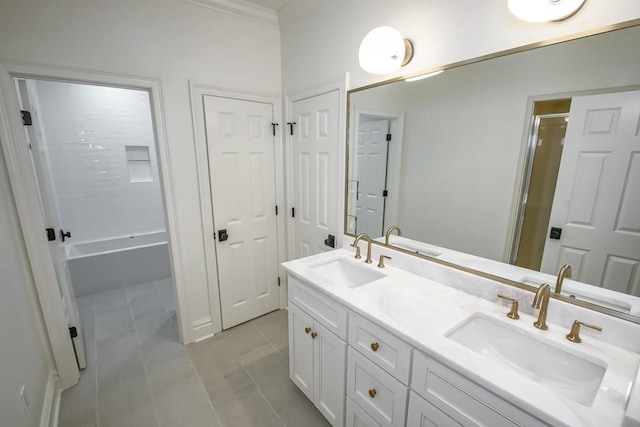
(422, 311)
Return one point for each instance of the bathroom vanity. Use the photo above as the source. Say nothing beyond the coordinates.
(385, 347)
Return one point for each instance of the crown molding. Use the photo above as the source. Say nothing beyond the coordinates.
(243, 9)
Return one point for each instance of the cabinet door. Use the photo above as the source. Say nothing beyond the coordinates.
(301, 350)
(329, 376)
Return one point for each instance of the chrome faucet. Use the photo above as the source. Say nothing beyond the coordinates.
(366, 237)
(565, 272)
(389, 231)
(541, 301)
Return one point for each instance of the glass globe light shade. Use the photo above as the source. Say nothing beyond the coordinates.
(384, 50)
(544, 10)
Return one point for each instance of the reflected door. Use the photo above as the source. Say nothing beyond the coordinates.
(315, 172)
(597, 197)
(240, 146)
(372, 176)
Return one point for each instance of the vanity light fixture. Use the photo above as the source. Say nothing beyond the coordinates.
(423, 76)
(383, 50)
(544, 10)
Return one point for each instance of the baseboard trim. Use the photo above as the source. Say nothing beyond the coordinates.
(203, 329)
(51, 403)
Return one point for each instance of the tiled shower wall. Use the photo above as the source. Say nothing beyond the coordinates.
(85, 131)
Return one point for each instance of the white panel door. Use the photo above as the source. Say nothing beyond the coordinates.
(52, 218)
(372, 176)
(240, 146)
(597, 197)
(315, 143)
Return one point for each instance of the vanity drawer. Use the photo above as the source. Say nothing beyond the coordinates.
(329, 313)
(387, 351)
(461, 399)
(356, 417)
(380, 395)
(423, 413)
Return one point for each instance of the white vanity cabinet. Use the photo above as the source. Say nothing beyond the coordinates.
(317, 356)
(441, 396)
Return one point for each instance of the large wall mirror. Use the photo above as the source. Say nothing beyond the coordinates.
(514, 166)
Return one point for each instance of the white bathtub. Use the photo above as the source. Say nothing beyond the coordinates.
(103, 265)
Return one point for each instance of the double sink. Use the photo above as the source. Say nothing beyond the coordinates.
(565, 371)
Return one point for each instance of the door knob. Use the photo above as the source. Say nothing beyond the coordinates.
(307, 329)
(222, 235)
(64, 236)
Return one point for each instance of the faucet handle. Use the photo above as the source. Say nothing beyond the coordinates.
(513, 313)
(357, 256)
(574, 334)
(381, 261)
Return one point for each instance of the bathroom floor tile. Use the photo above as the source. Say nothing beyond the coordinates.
(246, 407)
(139, 374)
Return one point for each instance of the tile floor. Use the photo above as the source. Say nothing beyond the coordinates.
(139, 374)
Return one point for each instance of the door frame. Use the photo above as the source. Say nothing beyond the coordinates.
(341, 86)
(211, 325)
(24, 186)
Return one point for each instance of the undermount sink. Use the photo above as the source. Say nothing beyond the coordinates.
(567, 373)
(347, 273)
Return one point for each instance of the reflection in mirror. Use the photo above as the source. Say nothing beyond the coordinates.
(514, 166)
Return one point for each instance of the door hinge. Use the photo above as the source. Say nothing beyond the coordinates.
(290, 124)
(273, 125)
(293, 212)
(385, 193)
(51, 234)
(276, 210)
(26, 118)
(388, 137)
(278, 280)
(73, 332)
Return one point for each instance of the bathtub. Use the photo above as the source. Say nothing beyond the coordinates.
(103, 265)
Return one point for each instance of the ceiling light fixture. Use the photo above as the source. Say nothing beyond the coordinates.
(423, 76)
(544, 10)
(383, 50)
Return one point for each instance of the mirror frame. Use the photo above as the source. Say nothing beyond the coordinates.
(563, 298)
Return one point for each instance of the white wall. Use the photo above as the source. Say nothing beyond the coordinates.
(85, 129)
(169, 40)
(25, 358)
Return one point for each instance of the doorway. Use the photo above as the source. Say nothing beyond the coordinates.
(549, 126)
(94, 159)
